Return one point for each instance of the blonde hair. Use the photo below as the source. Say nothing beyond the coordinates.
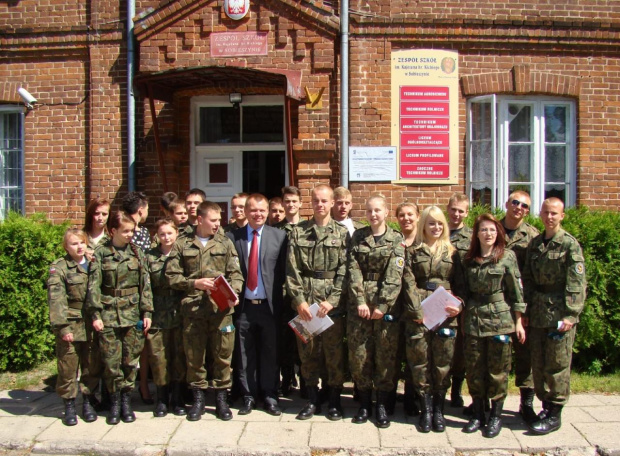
(443, 243)
(73, 232)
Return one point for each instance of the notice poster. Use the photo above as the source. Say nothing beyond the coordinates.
(425, 115)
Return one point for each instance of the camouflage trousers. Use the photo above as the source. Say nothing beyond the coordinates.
(429, 356)
(522, 362)
(72, 356)
(214, 333)
(166, 355)
(324, 353)
(120, 354)
(551, 360)
(488, 365)
(373, 347)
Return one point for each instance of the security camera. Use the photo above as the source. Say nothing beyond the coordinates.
(29, 100)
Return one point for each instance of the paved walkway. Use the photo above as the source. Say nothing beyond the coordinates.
(29, 423)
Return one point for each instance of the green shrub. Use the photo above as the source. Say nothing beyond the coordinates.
(27, 247)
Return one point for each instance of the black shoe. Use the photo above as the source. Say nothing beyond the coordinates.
(364, 411)
(383, 421)
(178, 404)
(551, 423)
(526, 407)
(161, 406)
(494, 425)
(114, 415)
(478, 419)
(273, 409)
(334, 408)
(198, 407)
(106, 401)
(456, 400)
(469, 410)
(439, 422)
(410, 403)
(222, 410)
(248, 406)
(426, 414)
(89, 413)
(312, 406)
(127, 414)
(70, 418)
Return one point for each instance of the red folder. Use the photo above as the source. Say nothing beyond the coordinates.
(223, 295)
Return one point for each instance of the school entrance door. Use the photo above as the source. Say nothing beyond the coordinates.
(238, 148)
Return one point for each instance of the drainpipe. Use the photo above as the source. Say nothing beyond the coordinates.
(131, 102)
(344, 93)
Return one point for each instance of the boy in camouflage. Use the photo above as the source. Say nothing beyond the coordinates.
(554, 278)
(76, 346)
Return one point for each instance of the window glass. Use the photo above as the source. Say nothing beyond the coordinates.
(11, 163)
(220, 124)
(263, 124)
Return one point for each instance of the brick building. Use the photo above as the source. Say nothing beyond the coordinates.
(538, 98)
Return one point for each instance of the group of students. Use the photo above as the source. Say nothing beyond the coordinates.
(109, 299)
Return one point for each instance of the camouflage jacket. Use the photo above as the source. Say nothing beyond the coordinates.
(492, 293)
(186, 230)
(287, 226)
(119, 289)
(428, 272)
(554, 279)
(231, 227)
(66, 293)
(376, 270)
(312, 252)
(166, 301)
(90, 249)
(461, 239)
(518, 241)
(190, 261)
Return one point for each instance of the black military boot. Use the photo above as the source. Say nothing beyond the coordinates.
(70, 418)
(334, 409)
(312, 406)
(198, 407)
(323, 392)
(177, 402)
(365, 410)
(127, 414)
(439, 422)
(390, 402)
(552, 422)
(162, 402)
(106, 401)
(114, 415)
(426, 415)
(456, 399)
(381, 414)
(222, 410)
(546, 406)
(469, 410)
(494, 425)
(526, 407)
(89, 414)
(478, 419)
(410, 403)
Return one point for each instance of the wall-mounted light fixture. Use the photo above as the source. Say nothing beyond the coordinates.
(236, 99)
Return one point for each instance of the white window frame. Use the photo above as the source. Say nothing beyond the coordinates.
(500, 147)
(21, 112)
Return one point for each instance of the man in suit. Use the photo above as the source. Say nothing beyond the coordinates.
(258, 313)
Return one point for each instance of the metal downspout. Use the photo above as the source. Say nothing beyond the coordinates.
(131, 103)
(344, 93)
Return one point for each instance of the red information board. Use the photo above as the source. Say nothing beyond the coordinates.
(234, 44)
(424, 132)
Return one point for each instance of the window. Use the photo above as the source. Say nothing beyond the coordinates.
(521, 143)
(11, 160)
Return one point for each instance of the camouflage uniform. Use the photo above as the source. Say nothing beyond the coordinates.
(430, 353)
(165, 338)
(460, 239)
(555, 288)
(204, 326)
(66, 293)
(492, 293)
(376, 271)
(517, 241)
(119, 294)
(315, 272)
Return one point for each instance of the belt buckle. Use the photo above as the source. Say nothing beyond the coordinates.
(256, 301)
(431, 286)
(319, 274)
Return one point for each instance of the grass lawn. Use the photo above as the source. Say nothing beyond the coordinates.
(44, 377)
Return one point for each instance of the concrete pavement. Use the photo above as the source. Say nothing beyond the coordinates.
(30, 423)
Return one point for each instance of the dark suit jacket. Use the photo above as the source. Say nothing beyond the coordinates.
(272, 257)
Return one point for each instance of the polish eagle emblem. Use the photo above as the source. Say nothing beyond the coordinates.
(236, 9)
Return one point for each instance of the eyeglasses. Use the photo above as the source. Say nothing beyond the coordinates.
(517, 203)
(487, 230)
